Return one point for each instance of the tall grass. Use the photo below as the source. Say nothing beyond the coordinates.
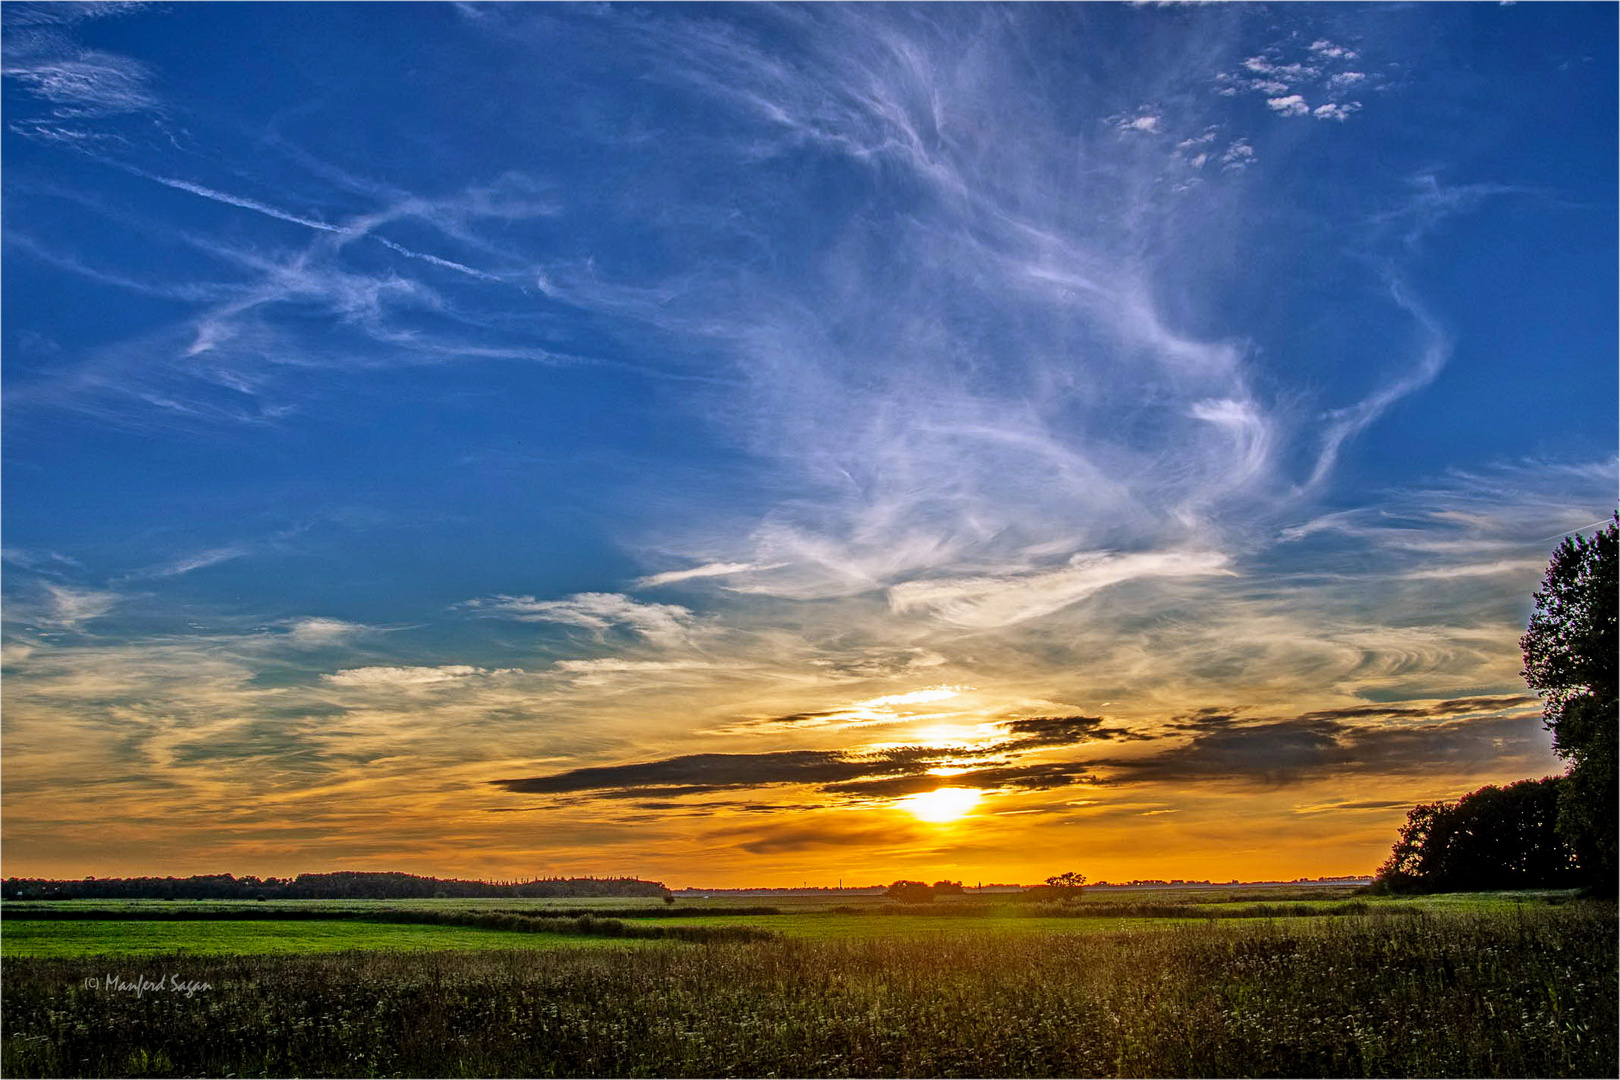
(1514, 994)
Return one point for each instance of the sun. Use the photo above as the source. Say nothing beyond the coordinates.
(943, 804)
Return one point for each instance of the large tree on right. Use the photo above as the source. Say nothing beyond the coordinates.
(1570, 659)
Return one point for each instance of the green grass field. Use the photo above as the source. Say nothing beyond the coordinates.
(22, 938)
(1526, 991)
(151, 927)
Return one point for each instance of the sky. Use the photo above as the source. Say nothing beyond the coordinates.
(678, 440)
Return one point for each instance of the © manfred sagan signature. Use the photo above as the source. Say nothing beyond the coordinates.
(142, 984)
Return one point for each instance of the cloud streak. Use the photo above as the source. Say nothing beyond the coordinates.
(989, 602)
(663, 624)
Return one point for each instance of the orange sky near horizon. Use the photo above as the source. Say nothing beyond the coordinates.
(1257, 797)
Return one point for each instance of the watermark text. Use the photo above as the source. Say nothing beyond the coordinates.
(141, 985)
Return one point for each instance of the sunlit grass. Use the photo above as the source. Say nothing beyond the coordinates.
(137, 938)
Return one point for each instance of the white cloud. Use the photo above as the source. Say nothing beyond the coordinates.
(373, 315)
(316, 632)
(926, 696)
(1532, 567)
(1290, 73)
(1339, 112)
(1326, 66)
(1343, 424)
(70, 606)
(720, 569)
(663, 624)
(1326, 48)
(15, 652)
(48, 562)
(241, 202)
(411, 678)
(1143, 123)
(83, 82)
(1250, 431)
(198, 561)
(1238, 156)
(614, 665)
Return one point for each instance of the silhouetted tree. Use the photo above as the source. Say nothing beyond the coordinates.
(948, 888)
(1068, 884)
(1570, 659)
(910, 892)
(1064, 886)
(1493, 838)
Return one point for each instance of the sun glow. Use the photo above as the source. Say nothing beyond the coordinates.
(942, 805)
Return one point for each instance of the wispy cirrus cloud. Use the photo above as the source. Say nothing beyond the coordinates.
(1003, 600)
(198, 560)
(408, 679)
(242, 355)
(662, 624)
(73, 82)
(71, 607)
(707, 570)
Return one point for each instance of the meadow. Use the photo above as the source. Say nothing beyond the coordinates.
(1484, 985)
(25, 938)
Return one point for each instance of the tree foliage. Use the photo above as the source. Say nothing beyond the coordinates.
(1064, 886)
(1571, 652)
(910, 892)
(1493, 838)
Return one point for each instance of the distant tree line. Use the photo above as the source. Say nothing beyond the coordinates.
(343, 885)
(920, 892)
(1562, 830)
(1064, 886)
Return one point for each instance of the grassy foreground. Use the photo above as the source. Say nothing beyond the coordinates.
(1529, 993)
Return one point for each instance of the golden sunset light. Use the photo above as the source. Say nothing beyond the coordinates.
(943, 804)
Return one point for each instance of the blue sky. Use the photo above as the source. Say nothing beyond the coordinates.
(409, 407)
